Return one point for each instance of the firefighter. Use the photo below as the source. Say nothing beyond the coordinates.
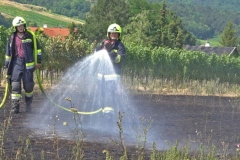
(108, 82)
(19, 61)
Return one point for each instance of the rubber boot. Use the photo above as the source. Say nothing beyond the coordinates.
(15, 106)
(28, 101)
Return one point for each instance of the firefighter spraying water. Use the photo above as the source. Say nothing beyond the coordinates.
(98, 77)
(108, 80)
(93, 87)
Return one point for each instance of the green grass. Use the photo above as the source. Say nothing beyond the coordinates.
(76, 19)
(33, 17)
(213, 41)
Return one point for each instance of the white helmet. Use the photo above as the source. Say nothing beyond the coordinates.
(114, 28)
(18, 21)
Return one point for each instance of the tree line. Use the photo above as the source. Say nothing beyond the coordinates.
(149, 25)
(144, 63)
(143, 24)
(73, 8)
(203, 18)
(5, 22)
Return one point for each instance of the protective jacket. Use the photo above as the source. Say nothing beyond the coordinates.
(28, 46)
(119, 54)
(108, 82)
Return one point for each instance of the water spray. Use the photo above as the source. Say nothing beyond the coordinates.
(73, 110)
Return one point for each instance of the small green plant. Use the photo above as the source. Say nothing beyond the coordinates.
(78, 134)
(108, 155)
(142, 139)
(5, 125)
(121, 137)
(25, 150)
(155, 154)
(42, 155)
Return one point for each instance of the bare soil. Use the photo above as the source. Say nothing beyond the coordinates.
(189, 119)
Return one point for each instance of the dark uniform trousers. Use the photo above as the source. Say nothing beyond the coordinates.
(20, 73)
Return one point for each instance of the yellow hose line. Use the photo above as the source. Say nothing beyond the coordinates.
(5, 95)
(74, 110)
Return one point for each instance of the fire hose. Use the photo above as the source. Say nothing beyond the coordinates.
(73, 110)
(5, 94)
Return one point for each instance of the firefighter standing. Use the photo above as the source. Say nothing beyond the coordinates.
(109, 81)
(20, 65)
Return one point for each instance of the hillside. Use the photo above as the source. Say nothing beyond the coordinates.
(232, 5)
(206, 19)
(70, 8)
(36, 14)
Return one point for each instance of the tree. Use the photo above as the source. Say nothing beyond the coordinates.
(160, 29)
(138, 30)
(5, 22)
(101, 15)
(228, 36)
(3, 43)
(71, 27)
(75, 29)
(32, 24)
(137, 6)
(168, 29)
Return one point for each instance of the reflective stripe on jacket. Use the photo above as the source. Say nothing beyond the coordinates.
(28, 46)
(108, 77)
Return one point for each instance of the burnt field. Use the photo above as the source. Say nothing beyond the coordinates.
(189, 120)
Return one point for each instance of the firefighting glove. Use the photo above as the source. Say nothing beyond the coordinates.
(113, 54)
(116, 58)
(108, 45)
